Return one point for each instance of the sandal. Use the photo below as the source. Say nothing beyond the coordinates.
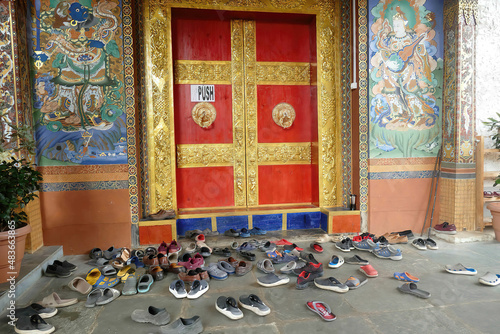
(108, 270)
(248, 255)
(145, 283)
(405, 277)
(221, 251)
(490, 279)
(460, 269)
(98, 280)
(96, 253)
(322, 309)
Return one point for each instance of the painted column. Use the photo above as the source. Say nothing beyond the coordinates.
(457, 184)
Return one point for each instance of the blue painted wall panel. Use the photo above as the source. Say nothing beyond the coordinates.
(268, 222)
(184, 225)
(236, 222)
(302, 220)
(324, 222)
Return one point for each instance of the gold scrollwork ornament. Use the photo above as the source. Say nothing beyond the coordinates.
(283, 115)
(203, 114)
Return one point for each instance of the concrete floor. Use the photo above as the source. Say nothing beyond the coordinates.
(459, 304)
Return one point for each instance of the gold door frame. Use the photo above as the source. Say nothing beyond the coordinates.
(161, 153)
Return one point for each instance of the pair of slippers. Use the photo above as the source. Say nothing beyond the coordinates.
(424, 244)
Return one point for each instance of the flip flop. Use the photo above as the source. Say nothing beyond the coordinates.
(460, 269)
(322, 309)
(411, 288)
(405, 277)
(98, 280)
(490, 279)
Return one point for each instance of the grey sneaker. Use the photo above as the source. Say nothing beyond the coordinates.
(254, 304)
(331, 283)
(178, 289)
(156, 316)
(272, 279)
(43, 312)
(228, 307)
(215, 273)
(356, 259)
(197, 289)
(290, 266)
(183, 326)
(266, 266)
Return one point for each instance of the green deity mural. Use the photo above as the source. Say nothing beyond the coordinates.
(405, 78)
(78, 82)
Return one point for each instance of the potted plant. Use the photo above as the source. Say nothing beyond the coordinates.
(18, 181)
(494, 125)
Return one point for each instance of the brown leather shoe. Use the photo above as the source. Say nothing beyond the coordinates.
(243, 268)
(203, 274)
(157, 273)
(231, 260)
(150, 260)
(176, 268)
(163, 261)
(189, 276)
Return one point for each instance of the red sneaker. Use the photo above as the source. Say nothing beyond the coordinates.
(445, 228)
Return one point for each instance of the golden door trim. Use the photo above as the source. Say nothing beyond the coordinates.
(159, 78)
(205, 155)
(284, 153)
(283, 73)
(238, 95)
(202, 72)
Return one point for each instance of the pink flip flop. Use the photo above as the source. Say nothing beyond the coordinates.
(322, 309)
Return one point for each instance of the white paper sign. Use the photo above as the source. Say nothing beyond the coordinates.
(202, 93)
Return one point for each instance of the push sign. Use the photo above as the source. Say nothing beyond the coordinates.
(202, 93)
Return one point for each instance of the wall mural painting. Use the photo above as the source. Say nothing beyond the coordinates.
(406, 75)
(77, 76)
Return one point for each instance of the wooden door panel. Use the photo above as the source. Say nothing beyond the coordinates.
(221, 130)
(197, 39)
(283, 42)
(205, 187)
(299, 97)
(282, 184)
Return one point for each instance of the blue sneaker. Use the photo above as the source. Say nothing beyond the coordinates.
(244, 233)
(388, 252)
(257, 231)
(366, 245)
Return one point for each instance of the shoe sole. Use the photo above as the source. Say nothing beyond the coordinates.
(228, 314)
(255, 310)
(335, 265)
(419, 247)
(58, 275)
(331, 288)
(176, 295)
(197, 295)
(37, 331)
(444, 232)
(270, 285)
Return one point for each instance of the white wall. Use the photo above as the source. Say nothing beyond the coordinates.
(488, 71)
(488, 78)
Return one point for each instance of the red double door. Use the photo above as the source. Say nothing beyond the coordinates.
(245, 109)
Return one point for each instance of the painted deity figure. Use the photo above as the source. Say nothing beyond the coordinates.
(403, 84)
(404, 95)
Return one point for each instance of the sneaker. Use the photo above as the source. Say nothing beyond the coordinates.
(174, 247)
(290, 266)
(198, 288)
(228, 307)
(43, 312)
(336, 261)
(215, 273)
(308, 257)
(382, 241)
(231, 233)
(305, 278)
(254, 304)
(332, 284)
(356, 259)
(54, 270)
(446, 228)
(178, 289)
(285, 257)
(366, 245)
(388, 252)
(310, 268)
(345, 245)
(272, 279)
(431, 244)
(66, 265)
(182, 325)
(419, 244)
(266, 266)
